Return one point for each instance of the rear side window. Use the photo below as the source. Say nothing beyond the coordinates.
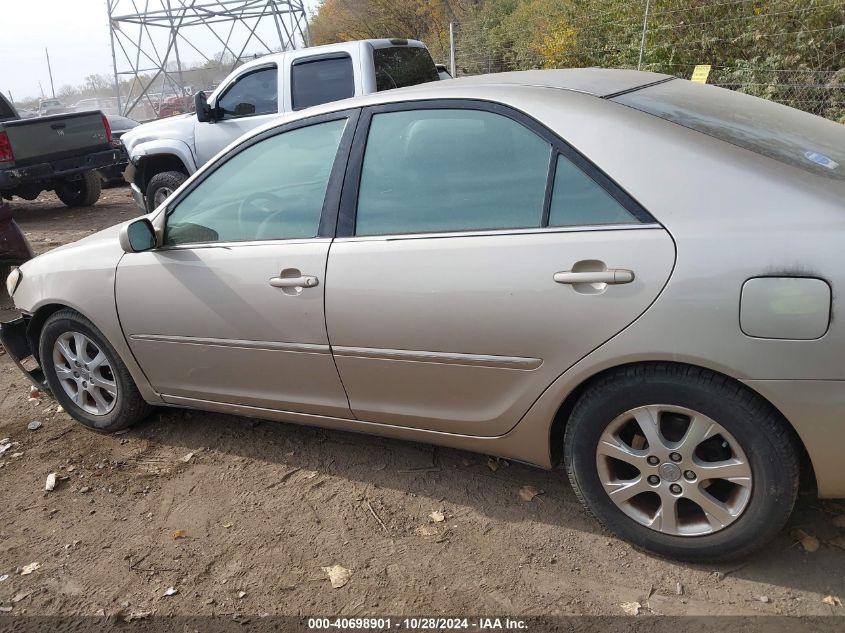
(450, 170)
(317, 81)
(6, 111)
(577, 200)
(777, 131)
(401, 66)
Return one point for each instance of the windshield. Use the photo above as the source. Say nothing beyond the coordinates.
(400, 66)
(777, 131)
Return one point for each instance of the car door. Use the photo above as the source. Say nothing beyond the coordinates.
(478, 257)
(250, 100)
(230, 308)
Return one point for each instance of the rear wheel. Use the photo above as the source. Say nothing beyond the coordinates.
(87, 376)
(162, 186)
(682, 462)
(81, 192)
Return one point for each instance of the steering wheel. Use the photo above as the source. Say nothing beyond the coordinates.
(254, 209)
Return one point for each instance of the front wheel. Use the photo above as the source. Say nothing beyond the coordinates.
(81, 192)
(87, 376)
(682, 462)
(162, 186)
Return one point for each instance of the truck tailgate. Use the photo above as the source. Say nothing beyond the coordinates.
(54, 137)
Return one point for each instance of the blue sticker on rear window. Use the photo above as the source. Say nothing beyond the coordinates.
(821, 159)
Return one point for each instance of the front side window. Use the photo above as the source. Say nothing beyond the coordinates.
(271, 190)
(319, 81)
(450, 170)
(251, 94)
(401, 66)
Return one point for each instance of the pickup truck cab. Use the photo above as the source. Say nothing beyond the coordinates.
(164, 153)
(59, 152)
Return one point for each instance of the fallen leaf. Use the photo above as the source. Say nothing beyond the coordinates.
(833, 601)
(21, 595)
(28, 569)
(338, 575)
(426, 530)
(171, 591)
(527, 493)
(492, 464)
(34, 393)
(179, 534)
(437, 516)
(839, 521)
(631, 608)
(50, 484)
(137, 615)
(808, 542)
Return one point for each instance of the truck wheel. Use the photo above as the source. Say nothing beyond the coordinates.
(162, 186)
(83, 192)
(87, 376)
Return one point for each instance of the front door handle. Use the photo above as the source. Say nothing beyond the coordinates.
(610, 276)
(303, 281)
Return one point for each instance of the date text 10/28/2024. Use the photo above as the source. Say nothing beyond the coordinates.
(417, 624)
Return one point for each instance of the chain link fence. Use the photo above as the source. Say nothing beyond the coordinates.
(789, 51)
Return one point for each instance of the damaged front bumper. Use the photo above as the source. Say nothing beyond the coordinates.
(13, 336)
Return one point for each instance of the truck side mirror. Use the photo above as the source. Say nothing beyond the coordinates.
(204, 114)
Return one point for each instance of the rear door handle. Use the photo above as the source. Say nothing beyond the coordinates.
(610, 276)
(304, 281)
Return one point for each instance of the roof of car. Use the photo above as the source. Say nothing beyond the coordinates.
(601, 82)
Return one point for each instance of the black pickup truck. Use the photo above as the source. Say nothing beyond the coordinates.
(59, 153)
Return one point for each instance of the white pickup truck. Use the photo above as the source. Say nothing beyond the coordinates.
(164, 153)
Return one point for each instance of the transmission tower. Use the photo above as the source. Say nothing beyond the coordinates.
(160, 44)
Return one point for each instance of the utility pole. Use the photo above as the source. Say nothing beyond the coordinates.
(645, 29)
(50, 70)
(452, 68)
(112, 27)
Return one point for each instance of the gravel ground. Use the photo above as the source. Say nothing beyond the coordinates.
(238, 515)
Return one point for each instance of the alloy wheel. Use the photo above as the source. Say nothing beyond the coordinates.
(674, 470)
(85, 373)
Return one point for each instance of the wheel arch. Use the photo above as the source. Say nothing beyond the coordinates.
(564, 411)
(150, 165)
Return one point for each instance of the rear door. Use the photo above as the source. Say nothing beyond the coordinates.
(478, 257)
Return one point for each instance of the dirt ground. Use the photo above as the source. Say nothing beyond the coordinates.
(240, 516)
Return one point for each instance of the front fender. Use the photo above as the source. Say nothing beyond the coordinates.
(146, 150)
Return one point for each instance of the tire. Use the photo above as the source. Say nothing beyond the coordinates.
(124, 408)
(161, 186)
(748, 436)
(83, 192)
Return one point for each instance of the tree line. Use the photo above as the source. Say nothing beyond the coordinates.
(792, 51)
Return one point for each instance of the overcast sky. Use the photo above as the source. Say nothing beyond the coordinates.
(77, 35)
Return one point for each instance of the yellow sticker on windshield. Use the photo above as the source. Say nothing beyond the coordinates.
(701, 73)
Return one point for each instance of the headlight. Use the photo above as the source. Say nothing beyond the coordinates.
(13, 280)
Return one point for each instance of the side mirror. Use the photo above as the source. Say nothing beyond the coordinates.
(204, 114)
(245, 109)
(138, 236)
